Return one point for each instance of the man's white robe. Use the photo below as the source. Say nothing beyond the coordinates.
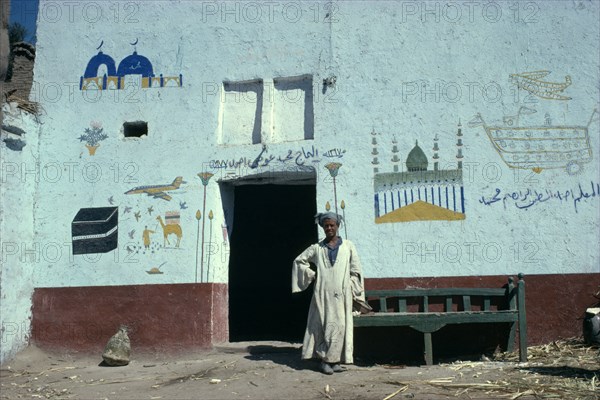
(329, 330)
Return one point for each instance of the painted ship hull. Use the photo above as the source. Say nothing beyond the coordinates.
(539, 148)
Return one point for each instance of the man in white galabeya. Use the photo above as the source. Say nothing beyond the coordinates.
(334, 265)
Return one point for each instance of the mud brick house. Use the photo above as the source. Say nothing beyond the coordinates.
(185, 146)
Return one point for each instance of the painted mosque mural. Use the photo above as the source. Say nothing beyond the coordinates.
(546, 146)
(419, 193)
(102, 73)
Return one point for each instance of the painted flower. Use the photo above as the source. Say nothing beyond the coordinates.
(205, 177)
(333, 168)
(93, 135)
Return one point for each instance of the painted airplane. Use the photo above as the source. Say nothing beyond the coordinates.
(533, 83)
(157, 191)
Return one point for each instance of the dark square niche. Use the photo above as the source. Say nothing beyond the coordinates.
(135, 129)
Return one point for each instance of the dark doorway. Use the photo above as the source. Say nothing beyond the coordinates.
(272, 224)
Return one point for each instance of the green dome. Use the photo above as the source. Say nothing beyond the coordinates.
(416, 160)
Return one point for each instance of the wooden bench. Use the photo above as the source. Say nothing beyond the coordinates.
(496, 305)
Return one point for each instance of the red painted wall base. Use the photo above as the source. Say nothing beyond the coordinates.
(169, 317)
(177, 317)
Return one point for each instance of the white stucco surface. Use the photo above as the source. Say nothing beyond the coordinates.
(408, 71)
(21, 253)
(398, 73)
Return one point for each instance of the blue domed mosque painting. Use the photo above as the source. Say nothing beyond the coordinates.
(102, 73)
(418, 193)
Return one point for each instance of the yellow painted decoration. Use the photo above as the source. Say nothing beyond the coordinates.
(533, 83)
(158, 191)
(342, 205)
(210, 215)
(198, 215)
(92, 149)
(327, 206)
(146, 237)
(420, 211)
(170, 229)
(112, 82)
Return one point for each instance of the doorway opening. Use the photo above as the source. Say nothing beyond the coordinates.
(272, 224)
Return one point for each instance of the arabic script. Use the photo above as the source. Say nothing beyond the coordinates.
(527, 198)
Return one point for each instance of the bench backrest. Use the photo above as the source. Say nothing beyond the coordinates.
(463, 298)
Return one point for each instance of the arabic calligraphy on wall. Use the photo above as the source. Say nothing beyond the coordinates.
(301, 158)
(525, 199)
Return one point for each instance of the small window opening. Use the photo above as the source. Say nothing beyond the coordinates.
(135, 129)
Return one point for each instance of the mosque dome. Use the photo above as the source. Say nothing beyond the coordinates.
(91, 71)
(135, 64)
(416, 160)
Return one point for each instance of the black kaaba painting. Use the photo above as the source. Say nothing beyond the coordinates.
(95, 230)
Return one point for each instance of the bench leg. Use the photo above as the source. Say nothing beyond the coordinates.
(428, 348)
(522, 321)
(510, 346)
(522, 340)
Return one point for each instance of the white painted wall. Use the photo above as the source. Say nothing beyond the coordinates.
(408, 70)
(20, 250)
(417, 77)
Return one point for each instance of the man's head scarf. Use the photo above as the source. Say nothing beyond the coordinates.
(321, 217)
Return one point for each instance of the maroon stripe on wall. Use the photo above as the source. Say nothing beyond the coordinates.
(555, 304)
(161, 317)
(220, 320)
(177, 317)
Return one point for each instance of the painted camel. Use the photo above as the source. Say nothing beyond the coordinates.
(169, 229)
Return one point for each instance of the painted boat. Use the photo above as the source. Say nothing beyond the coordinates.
(540, 147)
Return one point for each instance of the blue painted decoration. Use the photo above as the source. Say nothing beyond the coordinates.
(114, 77)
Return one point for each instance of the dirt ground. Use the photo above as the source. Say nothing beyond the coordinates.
(273, 370)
